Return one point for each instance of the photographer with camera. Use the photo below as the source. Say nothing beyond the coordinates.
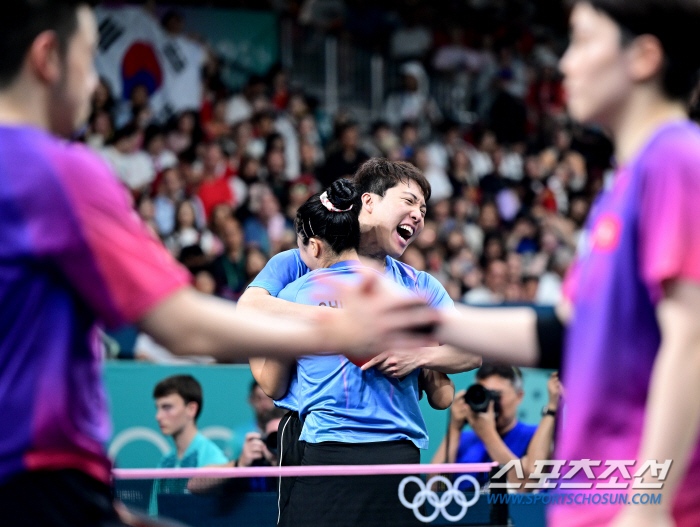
(490, 407)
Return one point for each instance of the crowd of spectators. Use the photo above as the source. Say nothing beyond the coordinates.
(220, 186)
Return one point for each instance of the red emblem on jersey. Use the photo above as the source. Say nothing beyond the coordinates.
(606, 233)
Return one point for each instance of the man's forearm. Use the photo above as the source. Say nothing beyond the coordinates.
(497, 449)
(506, 335)
(540, 447)
(189, 323)
(448, 359)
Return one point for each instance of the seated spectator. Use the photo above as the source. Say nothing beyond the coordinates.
(265, 229)
(346, 158)
(185, 133)
(171, 191)
(496, 434)
(215, 186)
(229, 268)
(187, 234)
(100, 129)
(216, 126)
(135, 109)
(178, 405)
(261, 404)
(494, 287)
(240, 107)
(133, 166)
(413, 102)
(154, 145)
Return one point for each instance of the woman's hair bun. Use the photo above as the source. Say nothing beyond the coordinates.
(342, 194)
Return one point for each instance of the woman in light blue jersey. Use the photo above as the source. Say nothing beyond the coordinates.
(349, 416)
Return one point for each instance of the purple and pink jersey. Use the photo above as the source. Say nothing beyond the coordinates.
(642, 232)
(73, 255)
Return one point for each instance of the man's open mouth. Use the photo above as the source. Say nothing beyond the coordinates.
(405, 231)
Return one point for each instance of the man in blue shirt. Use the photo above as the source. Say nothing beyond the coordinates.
(499, 437)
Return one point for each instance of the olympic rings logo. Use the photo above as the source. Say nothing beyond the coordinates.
(440, 503)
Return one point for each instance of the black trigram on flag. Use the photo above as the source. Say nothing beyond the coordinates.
(110, 31)
(175, 58)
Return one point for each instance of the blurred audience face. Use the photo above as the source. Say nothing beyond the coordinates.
(421, 159)
(260, 402)
(185, 123)
(349, 138)
(171, 183)
(232, 234)
(489, 219)
(146, 209)
(204, 283)
(308, 154)
(496, 278)
(185, 217)
(213, 158)
(173, 415)
(275, 163)
(579, 210)
(488, 143)
(255, 262)
(269, 206)
(102, 124)
(191, 173)
(249, 170)
(409, 135)
(440, 211)
(529, 289)
(139, 96)
(221, 213)
(101, 95)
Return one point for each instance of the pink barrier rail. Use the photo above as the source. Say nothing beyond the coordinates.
(324, 470)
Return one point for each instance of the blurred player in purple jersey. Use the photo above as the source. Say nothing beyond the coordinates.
(631, 350)
(74, 256)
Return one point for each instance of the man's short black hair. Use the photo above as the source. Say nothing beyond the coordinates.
(510, 373)
(675, 23)
(24, 20)
(377, 175)
(185, 386)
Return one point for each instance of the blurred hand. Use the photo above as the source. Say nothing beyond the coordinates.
(253, 449)
(482, 422)
(377, 315)
(555, 390)
(397, 362)
(458, 410)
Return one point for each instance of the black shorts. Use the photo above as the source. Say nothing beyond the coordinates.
(350, 501)
(57, 498)
(290, 452)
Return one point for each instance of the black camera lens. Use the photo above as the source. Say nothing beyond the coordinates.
(478, 398)
(270, 441)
